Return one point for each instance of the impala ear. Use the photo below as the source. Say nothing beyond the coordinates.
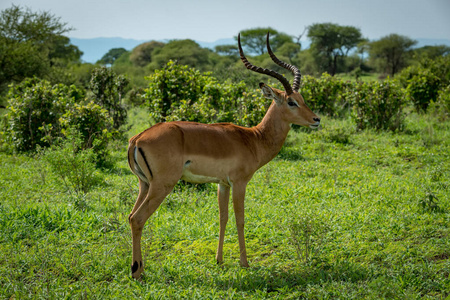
(269, 93)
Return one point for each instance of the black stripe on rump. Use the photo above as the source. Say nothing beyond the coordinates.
(145, 160)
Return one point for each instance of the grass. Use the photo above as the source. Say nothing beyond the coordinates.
(338, 214)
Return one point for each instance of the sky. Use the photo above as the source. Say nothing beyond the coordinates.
(211, 20)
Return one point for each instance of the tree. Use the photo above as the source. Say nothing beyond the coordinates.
(110, 57)
(142, 54)
(431, 52)
(31, 44)
(330, 41)
(254, 40)
(185, 52)
(391, 52)
(227, 50)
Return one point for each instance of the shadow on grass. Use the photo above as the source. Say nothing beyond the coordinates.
(290, 154)
(297, 278)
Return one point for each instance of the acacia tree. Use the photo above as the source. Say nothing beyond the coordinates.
(391, 52)
(254, 40)
(332, 42)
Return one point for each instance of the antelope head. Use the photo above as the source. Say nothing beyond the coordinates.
(289, 101)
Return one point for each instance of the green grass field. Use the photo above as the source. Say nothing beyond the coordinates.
(338, 214)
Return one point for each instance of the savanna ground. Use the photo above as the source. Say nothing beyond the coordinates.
(338, 214)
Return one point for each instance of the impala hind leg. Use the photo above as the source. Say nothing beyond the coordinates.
(143, 191)
(155, 196)
(223, 195)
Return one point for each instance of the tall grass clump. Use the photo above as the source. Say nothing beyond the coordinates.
(73, 164)
(308, 236)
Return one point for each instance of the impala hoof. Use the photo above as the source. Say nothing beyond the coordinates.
(136, 269)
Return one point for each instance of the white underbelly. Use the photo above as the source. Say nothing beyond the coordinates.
(194, 178)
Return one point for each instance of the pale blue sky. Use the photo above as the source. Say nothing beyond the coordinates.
(208, 20)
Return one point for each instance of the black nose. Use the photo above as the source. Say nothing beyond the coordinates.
(316, 119)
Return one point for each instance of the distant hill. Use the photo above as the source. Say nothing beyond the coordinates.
(95, 48)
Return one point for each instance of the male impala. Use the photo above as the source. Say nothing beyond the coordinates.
(223, 153)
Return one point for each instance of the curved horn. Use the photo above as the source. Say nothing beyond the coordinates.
(295, 71)
(248, 65)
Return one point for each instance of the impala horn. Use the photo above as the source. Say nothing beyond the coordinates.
(295, 71)
(281, 78)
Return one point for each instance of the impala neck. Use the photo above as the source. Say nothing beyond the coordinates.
(272, 132)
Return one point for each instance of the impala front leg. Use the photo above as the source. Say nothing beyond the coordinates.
(238, 205)
(223, 195)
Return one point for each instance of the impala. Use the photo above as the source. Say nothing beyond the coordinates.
(223, 153)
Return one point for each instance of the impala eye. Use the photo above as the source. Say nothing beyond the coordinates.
(292, 104)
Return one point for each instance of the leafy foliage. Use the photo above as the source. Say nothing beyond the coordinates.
(185, 52)
(325, 94)
(89, 123)
(32, 44)
(142, 54)
(423, 88)
(108, 89)
(377, 105)
(441, 108)
(390, 53)
(424, 81)
(181, 93)
(110, 57)
(35, 107)
(40, 114)
(331, 42)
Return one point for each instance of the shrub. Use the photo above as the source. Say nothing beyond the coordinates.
(182, 93)
(41, 114)
(423, 81)
(172, 85)
(108, 89)
(422, 89)
(441, 108)
(35, 107)
(377, 105)
(325, 94)
(91, 122)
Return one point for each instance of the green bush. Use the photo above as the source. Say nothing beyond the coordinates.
(377, 105)
(325, 94)
(108, 89)
(441, 108)
(424, 81)
(170, 86)
(182, 93)
(422, 89)
(91, 122)
(40, 114)
(34, 109)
